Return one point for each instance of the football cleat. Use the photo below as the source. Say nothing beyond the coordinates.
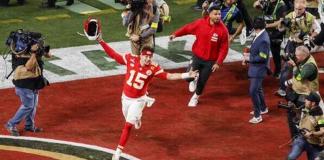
(117, 154)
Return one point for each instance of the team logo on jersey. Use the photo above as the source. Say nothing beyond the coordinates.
(214, 38)
(148, 72)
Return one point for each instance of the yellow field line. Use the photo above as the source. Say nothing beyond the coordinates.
(106, 11)
(10, 21)
(179, 2)
(58, 156)
(58, 16)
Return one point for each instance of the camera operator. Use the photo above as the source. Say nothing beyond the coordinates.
(28, 78)
(304, 80)
(141, 20)
(273, 10)
(311, 129)
(301, 26)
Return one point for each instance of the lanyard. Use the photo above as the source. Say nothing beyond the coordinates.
(229, 14)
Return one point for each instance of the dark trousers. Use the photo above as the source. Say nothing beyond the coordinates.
(257, 96)
(293, 121)
(275, 50)
(300, 145)
(245, 14)
(204, 68)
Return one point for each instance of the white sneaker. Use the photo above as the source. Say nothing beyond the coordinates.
(149, 101)
(193, 85)
(255, 120)
(138, 124)
(117, 154)
(243, 36)
(262, 112)
(281, 93)
(193, 101)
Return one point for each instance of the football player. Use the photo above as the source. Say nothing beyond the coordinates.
(140, 71)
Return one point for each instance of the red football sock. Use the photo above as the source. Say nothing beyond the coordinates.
(125, 134)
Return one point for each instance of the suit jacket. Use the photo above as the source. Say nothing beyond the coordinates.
(259, 56)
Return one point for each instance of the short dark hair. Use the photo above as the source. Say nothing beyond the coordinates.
(147, 48)
(214, 7)
(259, 23)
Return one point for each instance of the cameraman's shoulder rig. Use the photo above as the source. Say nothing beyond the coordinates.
(24, 78)
(20, 71)
(20, 43)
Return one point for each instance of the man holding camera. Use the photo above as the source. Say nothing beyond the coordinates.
(301, 26)
(311, 129)
(141, 19)
(273, 10)
(304, 80)
(28, 80)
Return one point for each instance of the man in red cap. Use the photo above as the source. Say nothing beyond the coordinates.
(140, 72)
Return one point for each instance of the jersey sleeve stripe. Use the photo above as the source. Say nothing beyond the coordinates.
(158, 72)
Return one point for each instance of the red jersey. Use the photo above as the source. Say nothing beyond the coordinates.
(211, 42)
(137, 77)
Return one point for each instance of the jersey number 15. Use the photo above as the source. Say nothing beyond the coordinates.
(138, 81)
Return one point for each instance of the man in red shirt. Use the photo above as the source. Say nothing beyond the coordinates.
(140, 72)
(209, 49)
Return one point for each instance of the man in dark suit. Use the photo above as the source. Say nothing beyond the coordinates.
(258, 68)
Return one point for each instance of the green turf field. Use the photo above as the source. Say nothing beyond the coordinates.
(60, 25)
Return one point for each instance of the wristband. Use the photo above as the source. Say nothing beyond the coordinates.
(185, 75)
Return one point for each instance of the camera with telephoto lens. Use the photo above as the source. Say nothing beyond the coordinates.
(306, 39)
(20, 42)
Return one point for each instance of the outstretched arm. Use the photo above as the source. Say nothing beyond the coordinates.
(185, 30)
(177, 76)
(110, 52)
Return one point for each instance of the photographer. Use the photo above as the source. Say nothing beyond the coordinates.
(301, 26)
(305, 80)
(273, 10)
(142, 22)
(311, 128)
(27, 52)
